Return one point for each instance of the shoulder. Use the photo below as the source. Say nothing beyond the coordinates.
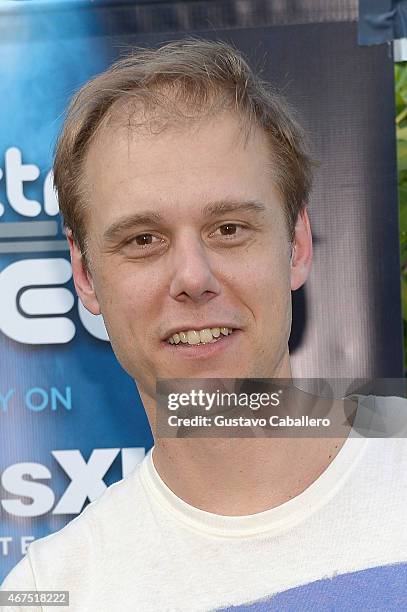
(72, 554)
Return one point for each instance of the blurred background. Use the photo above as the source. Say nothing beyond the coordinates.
(400, 72)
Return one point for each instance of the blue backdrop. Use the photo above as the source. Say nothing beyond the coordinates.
(67, 409)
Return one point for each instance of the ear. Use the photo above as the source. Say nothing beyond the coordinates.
(301, 257)
(82, 277)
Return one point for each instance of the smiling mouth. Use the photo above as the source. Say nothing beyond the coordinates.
(192, 337)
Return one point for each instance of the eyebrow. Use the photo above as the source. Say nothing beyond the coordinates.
(129, 222)
(227, 206)
(213, 209)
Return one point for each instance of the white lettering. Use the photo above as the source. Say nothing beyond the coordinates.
(94, 324)
(1, 205)
(17, 173)
(86, 478)
(4, 541)
(14, 482)
(25, 542)
(39, 330)
(86, 481)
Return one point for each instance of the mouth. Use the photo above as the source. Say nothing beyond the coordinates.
(196, 337)
(201, 343)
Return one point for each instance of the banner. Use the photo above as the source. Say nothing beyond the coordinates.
(71, 420)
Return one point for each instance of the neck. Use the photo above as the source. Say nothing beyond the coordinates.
(242, 476)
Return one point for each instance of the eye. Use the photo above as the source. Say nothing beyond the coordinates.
(229, 229)
(231, 234)
(143, 245)
(144, 240)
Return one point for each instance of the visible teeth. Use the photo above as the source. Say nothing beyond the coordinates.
(193, 337)
(205, 336)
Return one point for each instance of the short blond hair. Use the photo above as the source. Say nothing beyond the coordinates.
(201, 75)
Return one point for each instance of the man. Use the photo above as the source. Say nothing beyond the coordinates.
(183, 181)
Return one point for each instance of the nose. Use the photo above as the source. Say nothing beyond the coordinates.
(192, 276)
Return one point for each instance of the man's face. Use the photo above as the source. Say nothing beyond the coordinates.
(187, 233)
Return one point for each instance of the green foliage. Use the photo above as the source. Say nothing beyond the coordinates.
(401, 134)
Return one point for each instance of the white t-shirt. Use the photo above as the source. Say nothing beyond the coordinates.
(339, 545)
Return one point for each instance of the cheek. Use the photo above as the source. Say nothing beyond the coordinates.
(267, 294)
(129, 306)
(267, 275)
(128, 299)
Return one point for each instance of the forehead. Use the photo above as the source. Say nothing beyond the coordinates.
(176, 170)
